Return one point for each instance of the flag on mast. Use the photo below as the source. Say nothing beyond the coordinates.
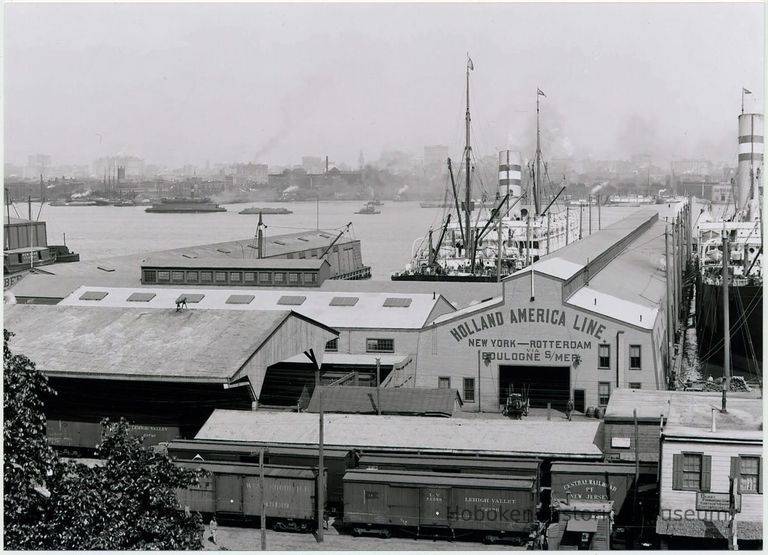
(540, 92)
(470, 65)
(745, 91)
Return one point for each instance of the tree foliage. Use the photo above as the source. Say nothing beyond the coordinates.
(126, 499)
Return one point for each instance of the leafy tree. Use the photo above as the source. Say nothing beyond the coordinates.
(28, 460)
(126, 501)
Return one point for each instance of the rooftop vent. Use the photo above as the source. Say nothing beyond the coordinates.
(343, 301)
(399, 302)
(191, 297)
(294, 300)
(141, 297)
(93, 295)
(239, 299)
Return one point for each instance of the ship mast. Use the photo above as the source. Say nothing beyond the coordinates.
(537, 171)
(467, 159)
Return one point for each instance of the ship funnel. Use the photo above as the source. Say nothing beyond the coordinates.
(751, 150)
(510, 177)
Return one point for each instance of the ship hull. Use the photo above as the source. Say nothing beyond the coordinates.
(445, 277)
(192, 210)
(746, 323)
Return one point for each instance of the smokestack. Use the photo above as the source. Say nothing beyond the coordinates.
(260, 238)
(510, 175)
(751, 150)
(326, 164)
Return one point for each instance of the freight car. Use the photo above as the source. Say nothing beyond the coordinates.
(335, 460)
(232, 490)
(491, 505)
(448, 463)
(77, 437)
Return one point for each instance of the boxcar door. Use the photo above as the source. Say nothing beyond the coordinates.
(434, 506)
(229, 493)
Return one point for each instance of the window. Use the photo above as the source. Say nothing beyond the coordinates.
(150, 276)
(302, 255)
(444, 382)
(379, 345)
(177, 276)
(604, 356)
(635, 385)
(691, 471)
(250, 276)
(749, 474)
(221, 277)
(469, 390)
(309, 278)
(332, 346)
(206, 277)
(265, 277)
(293, 278)
(192, 277)
(634, 357)
(235, 277)
(279, 277)
(603, 393)
(163, 276)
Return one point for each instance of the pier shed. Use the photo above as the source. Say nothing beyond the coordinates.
(157, 367)
(577, 324)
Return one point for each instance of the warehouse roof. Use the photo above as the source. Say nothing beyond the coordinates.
(116, 343)
(356, 359)
(418, 401)
(172, 261)
(650, 404)
(361, 310)
(690, 416)
(564, 439)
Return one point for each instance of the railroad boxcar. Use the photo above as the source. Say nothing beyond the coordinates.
(491, 505)
(77, 436)
(335, 460)
(232, 490)
(448, 463)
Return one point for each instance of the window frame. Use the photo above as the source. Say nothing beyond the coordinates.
(442, 379)
(332, 348)
(756, 490)
(639, 357)
(638, 384)
(599, 394)
(150, 276)
(378, 348)
(600, 357)
(683, 471)
(465, 389)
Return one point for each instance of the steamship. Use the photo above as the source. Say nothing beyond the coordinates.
(741, 224)
(184, 205)
(483, 244)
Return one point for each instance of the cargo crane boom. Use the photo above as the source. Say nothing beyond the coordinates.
(342, 232)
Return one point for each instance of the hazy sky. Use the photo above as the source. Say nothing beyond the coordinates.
(186, 83)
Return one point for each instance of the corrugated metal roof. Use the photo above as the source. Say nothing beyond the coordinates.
(176, 261)
(493, 481)
(139, 343)
(492, 436)
(368, 312)
(403, 400)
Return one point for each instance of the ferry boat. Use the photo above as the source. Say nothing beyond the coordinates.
(513, 232)
(255, 210)
(732, 235)
(184, 205)
(368, 208)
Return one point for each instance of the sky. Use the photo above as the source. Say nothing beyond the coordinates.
(183, 84)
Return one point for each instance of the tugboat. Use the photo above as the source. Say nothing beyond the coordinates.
(26, 246)
(516, 232)
(369, 208)
(734, 237)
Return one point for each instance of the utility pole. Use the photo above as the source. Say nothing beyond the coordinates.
(263, 501)
(320, 474)
(636, 445)
(726, 326)
(547, 232)
(498, 257)
(733, 538)
(567, 224)
(590, 214)
(669, 302)
(378, 386)
(599, 217)
(581, 219)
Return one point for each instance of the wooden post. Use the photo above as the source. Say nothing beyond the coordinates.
(581, 219)
(668, 303)
(378, 386)
(590, 214)
(636, 445)
(567, 224)
(320, 473)
(599, 217)
(726, 326)
(549, 411)
(547, 232)
(263, 501)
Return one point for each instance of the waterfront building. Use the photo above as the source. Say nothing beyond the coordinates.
(711, 466)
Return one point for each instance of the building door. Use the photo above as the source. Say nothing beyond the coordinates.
(229, 494)
(547, 384)
(579, 400)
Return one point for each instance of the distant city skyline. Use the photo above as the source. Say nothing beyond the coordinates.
(182, 84)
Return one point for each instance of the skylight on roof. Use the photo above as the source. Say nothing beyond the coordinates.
(399, 302)
(190, 297)
(294, 300)
(239, 299)
(141, 297)
(93, 295)
(343, 301)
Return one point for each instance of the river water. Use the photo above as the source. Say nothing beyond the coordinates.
(387, 238)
